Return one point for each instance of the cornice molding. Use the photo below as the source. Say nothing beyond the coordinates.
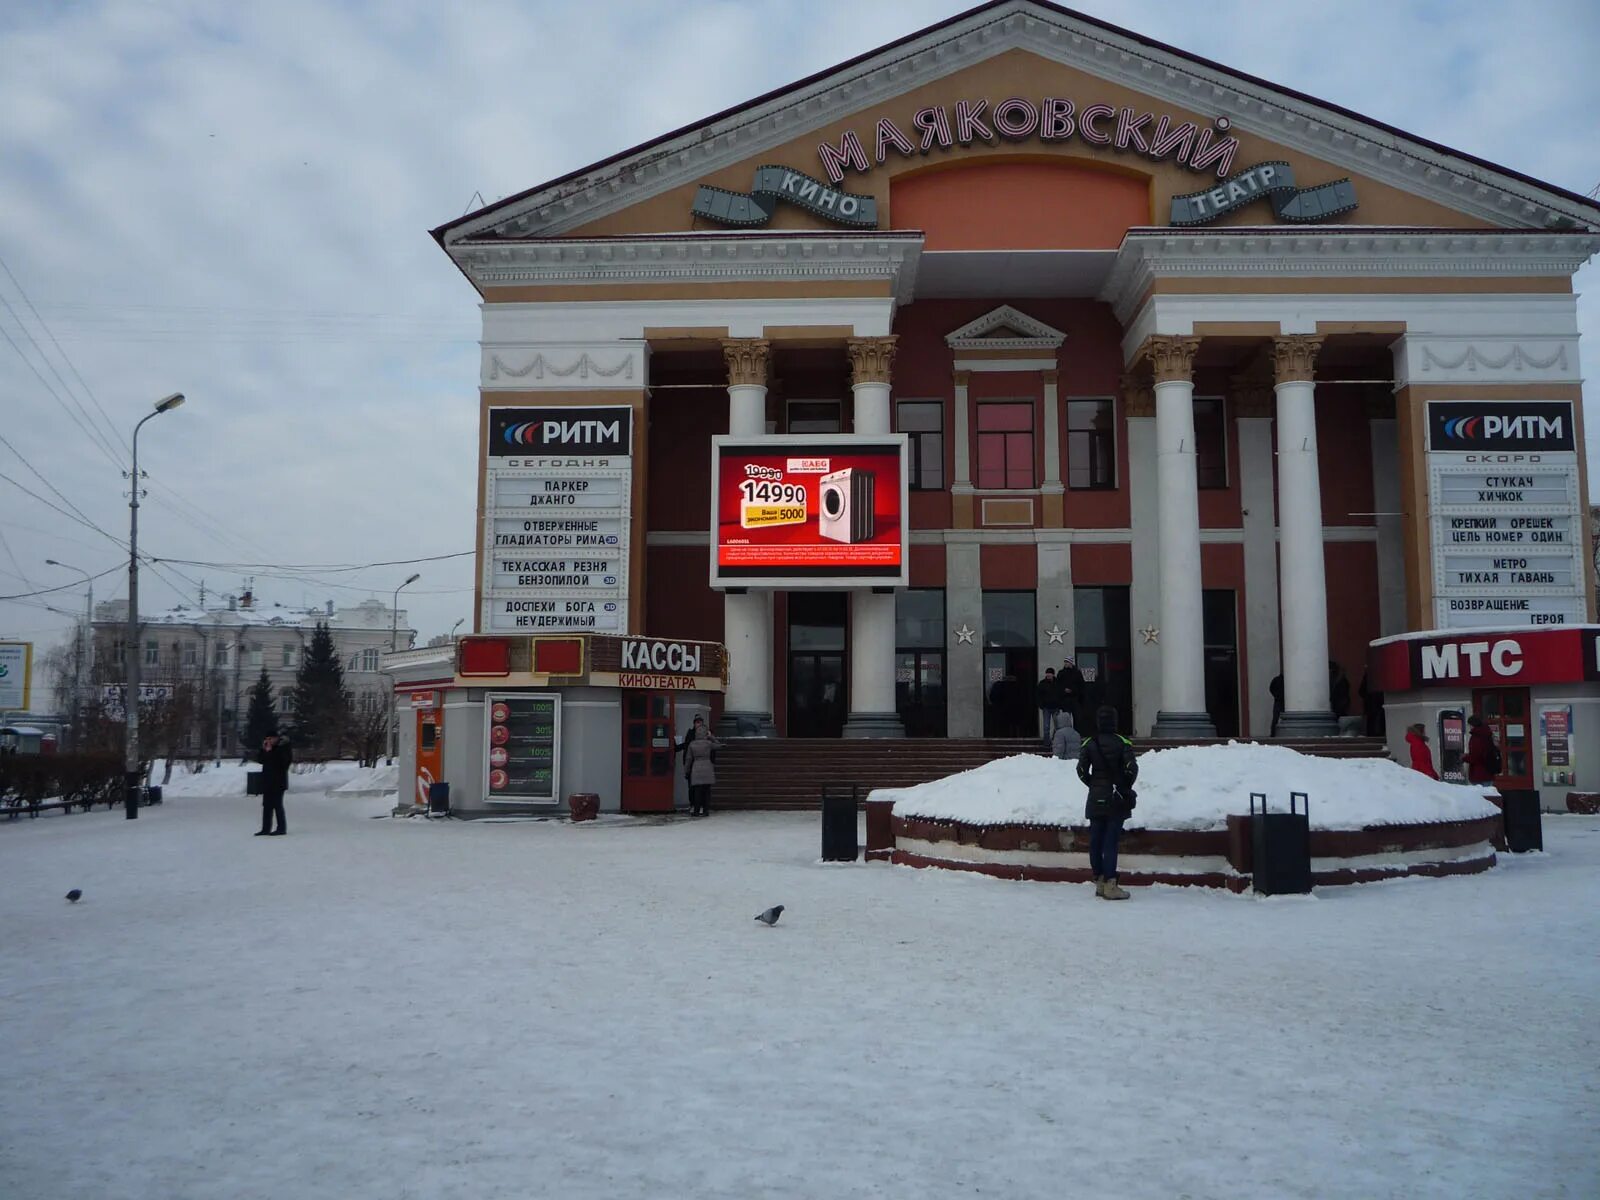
(1345, 142)
(702, 258)
(1268, 252)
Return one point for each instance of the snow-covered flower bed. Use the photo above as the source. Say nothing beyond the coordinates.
(1195, 788)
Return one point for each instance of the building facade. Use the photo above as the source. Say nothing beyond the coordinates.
(1177, 356)
(221, 652)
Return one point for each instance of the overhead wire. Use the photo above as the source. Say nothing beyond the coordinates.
(95, 436)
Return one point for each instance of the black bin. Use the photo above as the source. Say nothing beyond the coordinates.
(252, 784)
(1524, 826)
(839, 824)
(152, 795)
(1281, 842)
(439, 799)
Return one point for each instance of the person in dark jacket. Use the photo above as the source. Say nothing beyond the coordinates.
(1338, 690)
(1482, 754)
(1276, 688)
(1372, 706)
(1107, 766)
(1074, 692)
(274, 757)
(1047, 695)
(1421, 752)
(699, 750)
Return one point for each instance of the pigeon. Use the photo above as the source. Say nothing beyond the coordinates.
(770, 917)
(76, 894)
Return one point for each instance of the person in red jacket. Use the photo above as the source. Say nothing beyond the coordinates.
(1421, 755)
(1483, 756)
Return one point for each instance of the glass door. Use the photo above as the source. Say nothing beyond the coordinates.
(1505, 712)
(649, 752)
(818, 694)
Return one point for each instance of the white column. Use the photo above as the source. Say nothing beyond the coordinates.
(1253, 409)
(1182, 633)
(1052, 435)
(747, 616)
(872, 706)
(963, 614)
(1386, 502)
(1144, 596)
(1302, 572)
(963, 453)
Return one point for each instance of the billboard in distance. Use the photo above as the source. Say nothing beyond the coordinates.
(16, 675)
(809, 511)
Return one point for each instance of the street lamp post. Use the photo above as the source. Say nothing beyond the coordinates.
(130, 701)
(394, 613)
(82, 665)
(394, 637)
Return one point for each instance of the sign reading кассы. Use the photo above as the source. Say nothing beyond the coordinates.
(557, 509)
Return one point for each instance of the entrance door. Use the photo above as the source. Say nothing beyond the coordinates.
(1506, 711)
(818, 694)
(430, 750)
(1010, 679)
(649, 752)
(1222, 660)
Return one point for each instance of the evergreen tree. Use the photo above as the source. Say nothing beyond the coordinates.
(261, 716)
(321, 703)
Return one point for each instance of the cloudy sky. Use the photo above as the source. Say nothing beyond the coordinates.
(232, 200)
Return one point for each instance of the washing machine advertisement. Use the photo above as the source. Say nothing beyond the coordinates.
(808, 511)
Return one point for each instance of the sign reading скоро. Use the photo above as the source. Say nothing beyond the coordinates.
(1055, 120)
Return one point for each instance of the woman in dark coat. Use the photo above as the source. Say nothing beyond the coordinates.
(699, 766)
(274, 757)
(1481, 752)
(1108, 768)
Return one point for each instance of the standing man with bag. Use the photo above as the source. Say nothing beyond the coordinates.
(274, 757)
(1108, 768)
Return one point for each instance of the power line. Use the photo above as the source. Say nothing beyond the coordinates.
(330, 568)
(63, 587)
(94, 435)
(81, 520)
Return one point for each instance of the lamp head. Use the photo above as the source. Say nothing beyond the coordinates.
(50, 562)
(412, 580)
(170, 402)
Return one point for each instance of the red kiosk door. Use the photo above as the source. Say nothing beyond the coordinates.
(649, 752)
(1506, 711)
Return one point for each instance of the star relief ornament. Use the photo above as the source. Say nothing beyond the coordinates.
(965, 634)
(1150, 634)
(1056, 634)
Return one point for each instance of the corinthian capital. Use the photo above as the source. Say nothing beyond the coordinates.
(1171, 357)
(871, 358)
(747, 360)
(1138, 397)
(1294, 356)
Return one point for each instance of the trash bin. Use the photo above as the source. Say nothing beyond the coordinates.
(839, 824)
(152, 794)
(439, 799)
(585, 806)
(252, 784)
(1281, 846)
(1524, 827)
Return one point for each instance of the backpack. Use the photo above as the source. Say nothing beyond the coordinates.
(1492, 760)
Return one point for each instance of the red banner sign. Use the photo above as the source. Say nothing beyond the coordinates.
(809, 511)
(1487, 659)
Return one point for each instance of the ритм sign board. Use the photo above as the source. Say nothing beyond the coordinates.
(1505, 516)
(558, 496)
(798, 511)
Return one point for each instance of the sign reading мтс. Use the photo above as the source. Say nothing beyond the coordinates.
(1505, 514)
(557, 496)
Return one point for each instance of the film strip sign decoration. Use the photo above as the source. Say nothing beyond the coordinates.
(1272, 181)
(773, 184)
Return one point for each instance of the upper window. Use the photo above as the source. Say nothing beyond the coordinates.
(152, 653)
(1005, 444)
(919, 619)
(191, 654)
(288, 656)
(922, 421)
(814, 416)
(1210, 443)
(369, 659)
(1091, 444)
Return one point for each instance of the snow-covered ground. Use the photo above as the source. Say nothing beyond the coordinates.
(399, 1008)
(1196, 787)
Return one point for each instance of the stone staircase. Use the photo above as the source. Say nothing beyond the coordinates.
(790, 773)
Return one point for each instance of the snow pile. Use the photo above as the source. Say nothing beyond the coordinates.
(1196, 787)
(229, 779)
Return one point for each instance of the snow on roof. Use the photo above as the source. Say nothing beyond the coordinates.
(25, 731)
(1195, 788)
(1486, 631)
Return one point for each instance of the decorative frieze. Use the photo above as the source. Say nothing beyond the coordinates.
(1250, 392)
(871, 358)
(747, 360)
(563, 367)
(1294, 357)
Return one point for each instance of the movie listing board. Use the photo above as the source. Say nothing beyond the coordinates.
(1506, 522)
(524, 752)
(557, 515)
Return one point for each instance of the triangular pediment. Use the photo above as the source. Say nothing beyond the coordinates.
(1015, 48)
(1005, 328)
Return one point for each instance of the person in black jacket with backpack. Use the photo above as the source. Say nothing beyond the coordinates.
(1107, 766)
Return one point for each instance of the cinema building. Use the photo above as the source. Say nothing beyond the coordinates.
(1106, 351)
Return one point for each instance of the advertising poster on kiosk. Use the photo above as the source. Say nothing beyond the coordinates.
(809, 511)
(523, 757)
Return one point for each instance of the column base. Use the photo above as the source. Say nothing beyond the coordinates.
(1183, 725)
(1308, 725)
(745, 724)
(874, 725)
